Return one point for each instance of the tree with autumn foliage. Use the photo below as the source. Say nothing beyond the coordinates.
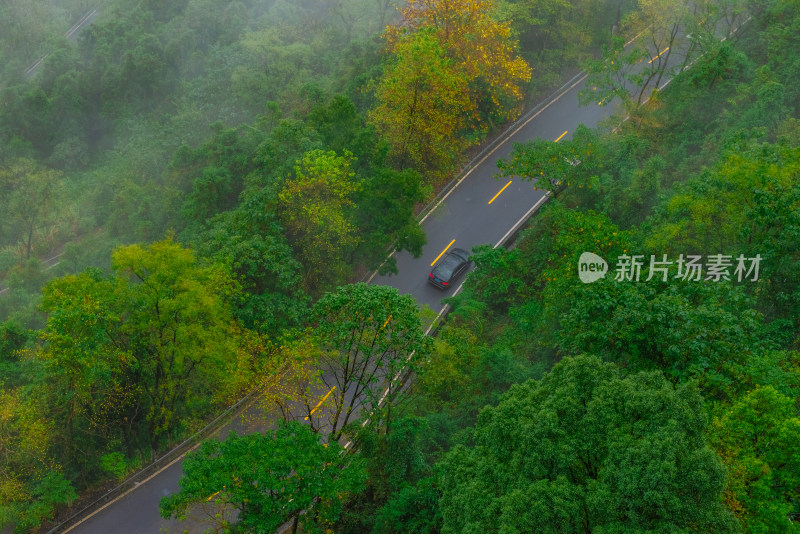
(31, 482)
(480, 46)
(422, 102)
(455, 73)
(133, 356)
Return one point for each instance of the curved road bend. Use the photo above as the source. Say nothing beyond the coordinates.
(464, 218)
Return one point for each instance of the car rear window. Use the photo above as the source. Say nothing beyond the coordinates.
(446, 268)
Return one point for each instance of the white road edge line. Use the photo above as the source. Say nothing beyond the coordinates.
(136, 486)
(524, 218)
(504, 141)
(446, 307)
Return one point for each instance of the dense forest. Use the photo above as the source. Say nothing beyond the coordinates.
(191, 189)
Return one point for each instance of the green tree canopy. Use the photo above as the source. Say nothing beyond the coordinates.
(386, 205)
(367, 334)
(316, 208)
(268, 479)
(30, 197)
(251, 239)
(133, 356)
(758, 438)
(588, 450)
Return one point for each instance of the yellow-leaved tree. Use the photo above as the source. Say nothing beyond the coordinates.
(480, 45)
(454, 74)
(422, 103)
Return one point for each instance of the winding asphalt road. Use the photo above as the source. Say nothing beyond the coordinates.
(480, 209)
(464, 215)
(466, 218)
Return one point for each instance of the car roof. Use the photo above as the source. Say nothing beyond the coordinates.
(449, 263)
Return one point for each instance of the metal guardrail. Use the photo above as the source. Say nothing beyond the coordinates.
(69, 33)
(173, 455)
(177, 452)
(485, 151)
(500, 139)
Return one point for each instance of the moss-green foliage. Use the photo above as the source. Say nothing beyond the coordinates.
(159, 118)
(586, 450)
(130, 358)
(201, 116)
(555, 35)
(13, 338)
(183, 118)
(395, 464)
(757, 437)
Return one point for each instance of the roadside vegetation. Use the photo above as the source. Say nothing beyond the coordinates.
(215, 174)
(619, 387)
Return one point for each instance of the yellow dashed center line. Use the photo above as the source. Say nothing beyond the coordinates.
(562, 135)
(658, 56)
(445, 250)
(498, 193)
(319, 403)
